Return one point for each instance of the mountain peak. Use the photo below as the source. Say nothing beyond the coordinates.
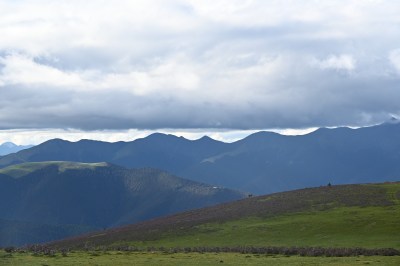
(56, 140)
(205, 138)
(8, 145)
(158, 135)
(162, 137)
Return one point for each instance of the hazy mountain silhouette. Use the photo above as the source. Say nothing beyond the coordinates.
(9, 147)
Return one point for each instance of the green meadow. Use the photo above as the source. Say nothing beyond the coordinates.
(165, 259)
(368, 227)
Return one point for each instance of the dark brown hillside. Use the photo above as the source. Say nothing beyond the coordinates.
(311, 199)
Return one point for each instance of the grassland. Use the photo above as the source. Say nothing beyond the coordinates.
(158, 258)
(364, 216)
(368, 227)
(20, 170)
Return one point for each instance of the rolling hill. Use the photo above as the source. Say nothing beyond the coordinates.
(261, 163)
(364, 215)
(75, 197)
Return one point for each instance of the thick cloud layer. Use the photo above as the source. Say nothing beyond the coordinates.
(152, 64)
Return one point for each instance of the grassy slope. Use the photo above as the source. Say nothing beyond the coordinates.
(369, 227)
(20, 170)
(338, 216)
(127, 258)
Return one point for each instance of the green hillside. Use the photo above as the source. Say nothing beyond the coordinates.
(332, 216)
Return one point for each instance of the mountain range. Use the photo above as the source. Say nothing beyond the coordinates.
(50, 200)
(261, 163)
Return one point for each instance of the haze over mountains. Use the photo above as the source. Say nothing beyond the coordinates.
(50, 200)
(260, 163)
(9, 147)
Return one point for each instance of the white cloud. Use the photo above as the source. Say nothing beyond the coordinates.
(23, 70)
(341, 62)
(394, 58)
(154, 64)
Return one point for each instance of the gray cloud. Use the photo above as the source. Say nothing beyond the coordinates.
(198, 64)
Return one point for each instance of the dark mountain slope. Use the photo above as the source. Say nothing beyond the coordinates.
(267, 162)
(98, 194)
(16, 233)
(261, 163)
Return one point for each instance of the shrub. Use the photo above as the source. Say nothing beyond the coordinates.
(9, 249)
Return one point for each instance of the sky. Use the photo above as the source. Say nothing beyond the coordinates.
(118, 70)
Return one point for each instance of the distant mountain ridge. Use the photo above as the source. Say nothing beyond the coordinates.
(261, 163)
(70, 197)
(9, 147)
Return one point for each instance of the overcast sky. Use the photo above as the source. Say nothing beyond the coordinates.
(119, 69)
